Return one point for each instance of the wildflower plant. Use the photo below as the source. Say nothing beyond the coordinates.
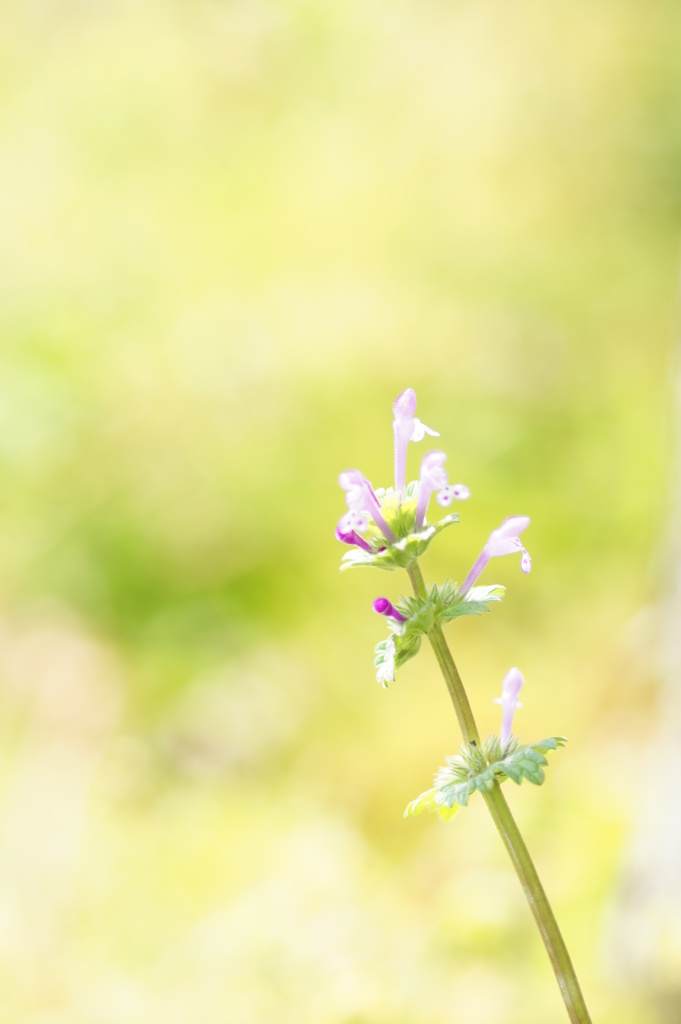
(388, 528)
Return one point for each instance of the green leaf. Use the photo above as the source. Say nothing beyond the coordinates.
(527, 762)
(392, 653)
(441, 604)
(407, 647)
(480, 768)
(426, 802)
(400, 554)
(444, 603)
(458, 792)
(552, 743)
(384, 661)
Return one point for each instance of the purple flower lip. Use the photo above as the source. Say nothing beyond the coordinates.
(447, 494)
(504, 540)
(362, 503)
(434, 477)
(384, 607)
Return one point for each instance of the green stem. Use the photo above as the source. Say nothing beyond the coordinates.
(507, 828)
(446, 663)
(539, 905)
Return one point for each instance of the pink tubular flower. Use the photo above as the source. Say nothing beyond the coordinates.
(503, 541)
(362, 503)
(434, 478)
(513, 680)
(406, 427)
(383, 606)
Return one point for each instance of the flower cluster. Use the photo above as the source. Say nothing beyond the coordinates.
(394, 520)
(378, 519)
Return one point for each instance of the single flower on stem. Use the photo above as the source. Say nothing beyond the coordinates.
(433, 477)
(513, 681)
(406, 427)
(503, 541)
(428, 610)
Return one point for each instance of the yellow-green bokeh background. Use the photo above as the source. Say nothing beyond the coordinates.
(230, 233)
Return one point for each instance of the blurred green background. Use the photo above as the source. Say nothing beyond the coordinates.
(231, 233)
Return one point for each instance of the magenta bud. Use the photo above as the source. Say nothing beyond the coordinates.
(383, 606)
(351, 537)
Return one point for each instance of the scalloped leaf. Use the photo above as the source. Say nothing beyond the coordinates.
(469, 773)
(465, 607)
(391, 654)
(384, 661)
(476, 601)
(427, 802)
(552, 743)
(460, 792)
(400, 554)
(528, 762)
(444, 603)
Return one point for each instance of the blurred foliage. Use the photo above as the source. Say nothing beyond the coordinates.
(232, 233)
